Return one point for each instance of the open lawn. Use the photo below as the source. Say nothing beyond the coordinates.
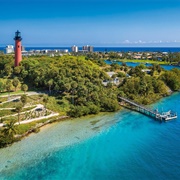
(19, 92)
(143, 61)
(53, 105)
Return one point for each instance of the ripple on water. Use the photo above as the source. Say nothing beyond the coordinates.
(122, 145)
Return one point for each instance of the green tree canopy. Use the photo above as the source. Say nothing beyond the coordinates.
(24, 88)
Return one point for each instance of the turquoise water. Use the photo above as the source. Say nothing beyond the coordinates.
(122, 145)
(131, 64)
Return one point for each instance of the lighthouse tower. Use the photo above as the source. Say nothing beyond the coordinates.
(18, 54)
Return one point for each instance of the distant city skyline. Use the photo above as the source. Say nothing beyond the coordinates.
(126, 23)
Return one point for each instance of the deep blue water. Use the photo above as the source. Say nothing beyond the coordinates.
(138, 49)
(132, 146)
(166, 67)
(116, 49)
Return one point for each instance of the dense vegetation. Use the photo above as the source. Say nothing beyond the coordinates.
(75, 82)
(74, 85)
(145, 89)
(172, 79)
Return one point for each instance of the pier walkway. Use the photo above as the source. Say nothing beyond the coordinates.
(152, 113)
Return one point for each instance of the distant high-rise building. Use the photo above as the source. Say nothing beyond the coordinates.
(22, 48)
(85, 48)
(9, 49)
(74, 48)
(88, 48)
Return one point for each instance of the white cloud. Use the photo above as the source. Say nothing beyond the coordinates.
(126, 42)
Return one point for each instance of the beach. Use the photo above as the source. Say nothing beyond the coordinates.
(55, 136)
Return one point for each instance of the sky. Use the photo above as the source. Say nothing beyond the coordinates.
(123, 23)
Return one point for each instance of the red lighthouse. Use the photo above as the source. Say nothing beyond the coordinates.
(18, 54)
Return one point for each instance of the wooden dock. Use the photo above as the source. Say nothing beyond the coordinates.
(166, 116)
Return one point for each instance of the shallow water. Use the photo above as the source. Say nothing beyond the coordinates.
(132, 64)
(122, 145)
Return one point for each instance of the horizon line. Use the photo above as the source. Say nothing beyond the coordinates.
(105, 46)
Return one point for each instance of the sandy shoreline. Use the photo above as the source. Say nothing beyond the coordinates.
(53, 137)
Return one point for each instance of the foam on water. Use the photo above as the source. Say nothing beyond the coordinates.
(122, 145)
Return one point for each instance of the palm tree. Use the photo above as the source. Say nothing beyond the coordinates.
(24, 99)
(50, 83)
(10, 129)
(19, 109)
(2, 86)
(24, 88)
(15, 82)
(45, 100)
(8, 87)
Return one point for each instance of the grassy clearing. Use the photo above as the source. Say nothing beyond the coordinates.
(8, 119)
(6, 112)
(144, 61)
(53, 104)
(9, 105)
(2, 99)
(60, 106)
(35, 99)
(12, 93)
(13, 111)
(23, 128)
(28, 108)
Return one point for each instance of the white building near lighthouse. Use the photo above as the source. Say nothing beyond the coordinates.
(9, 49)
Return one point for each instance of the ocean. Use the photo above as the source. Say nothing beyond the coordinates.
(123, 145)
(116, 49)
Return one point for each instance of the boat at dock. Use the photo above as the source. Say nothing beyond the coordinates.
(166, 116)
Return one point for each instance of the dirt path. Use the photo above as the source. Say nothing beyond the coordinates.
(38, 106)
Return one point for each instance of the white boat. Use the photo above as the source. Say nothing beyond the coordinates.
(166, 116)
